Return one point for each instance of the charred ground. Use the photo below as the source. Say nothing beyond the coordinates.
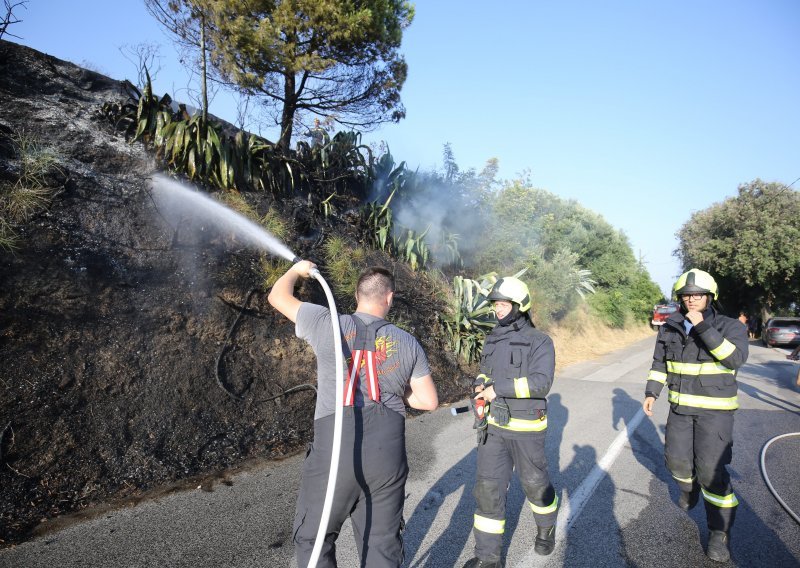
(133, 356)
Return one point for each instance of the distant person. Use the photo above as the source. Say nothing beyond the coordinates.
(743, 318)
(754, 327)
(516, 373)
(317, 134)
(390, 371)
(697, 354)
(795, 356)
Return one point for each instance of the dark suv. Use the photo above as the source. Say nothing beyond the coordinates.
(781, 331)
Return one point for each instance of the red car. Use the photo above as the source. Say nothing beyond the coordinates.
(660, 314)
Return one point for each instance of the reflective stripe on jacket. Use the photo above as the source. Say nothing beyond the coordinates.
(699, 368)
(521, 361)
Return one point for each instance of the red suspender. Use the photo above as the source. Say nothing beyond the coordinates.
(352, 378)
(364, 348)
(372, 377)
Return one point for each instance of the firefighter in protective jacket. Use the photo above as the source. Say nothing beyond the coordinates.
(516, 373)
(697, 354)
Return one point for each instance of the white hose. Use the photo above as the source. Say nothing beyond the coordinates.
(337, 427)
(766, 477)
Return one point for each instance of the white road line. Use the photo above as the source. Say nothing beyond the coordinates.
(571, 508)
(613, 371)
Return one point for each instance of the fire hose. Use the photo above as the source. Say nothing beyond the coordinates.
(171, 195)
(338, 416)
(766, 477)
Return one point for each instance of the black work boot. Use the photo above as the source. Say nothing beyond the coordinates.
(545, 540)
(718, 546)
(478, 563)
(688, 499)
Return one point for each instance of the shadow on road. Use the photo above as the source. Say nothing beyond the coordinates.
(753, 541)
(779, 374)
(516, 502)
(602, 523)
(769, 398)
(461, 478)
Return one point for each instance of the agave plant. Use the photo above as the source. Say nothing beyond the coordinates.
(412, 248)
(197, 147)
(583, 282)
(123, 114)
(335, 164)
(383, 177)
(470, 316)
(152, 113)
(449, 249)
(378, 221)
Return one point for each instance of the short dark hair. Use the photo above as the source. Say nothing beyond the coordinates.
(374, 283)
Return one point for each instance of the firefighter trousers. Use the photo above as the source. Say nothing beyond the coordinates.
(698, 448)
(497, 458)
(370, 487)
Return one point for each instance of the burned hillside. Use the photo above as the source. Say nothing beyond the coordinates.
(135, 354)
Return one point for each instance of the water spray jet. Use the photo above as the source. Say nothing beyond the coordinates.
(174, 197)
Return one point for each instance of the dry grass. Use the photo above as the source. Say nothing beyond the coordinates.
(343, 264)
(236, 201)
(592, 340)
(30, 192)
(270, 269)
(275, 223)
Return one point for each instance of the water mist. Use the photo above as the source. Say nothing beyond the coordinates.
(175, 199)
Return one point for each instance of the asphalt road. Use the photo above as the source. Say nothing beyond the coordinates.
(606, 458)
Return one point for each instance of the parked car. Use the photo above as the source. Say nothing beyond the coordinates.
(660, 314)
(781, 331)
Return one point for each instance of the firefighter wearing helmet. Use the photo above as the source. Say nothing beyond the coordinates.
(516, 373)
(697, 354)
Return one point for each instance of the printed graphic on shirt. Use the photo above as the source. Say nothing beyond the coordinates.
(385, 348)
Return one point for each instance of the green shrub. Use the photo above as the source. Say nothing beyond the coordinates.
(612, 307)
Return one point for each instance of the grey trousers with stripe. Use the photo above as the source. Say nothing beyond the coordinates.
(370, 487)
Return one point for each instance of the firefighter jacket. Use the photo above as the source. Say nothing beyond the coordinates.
(698, 368)
(520, 362)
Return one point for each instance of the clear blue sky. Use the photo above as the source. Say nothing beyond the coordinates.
(641, 111)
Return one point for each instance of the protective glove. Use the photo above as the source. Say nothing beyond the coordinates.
(481, 424)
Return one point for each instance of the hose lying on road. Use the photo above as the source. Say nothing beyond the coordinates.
(766, 477)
